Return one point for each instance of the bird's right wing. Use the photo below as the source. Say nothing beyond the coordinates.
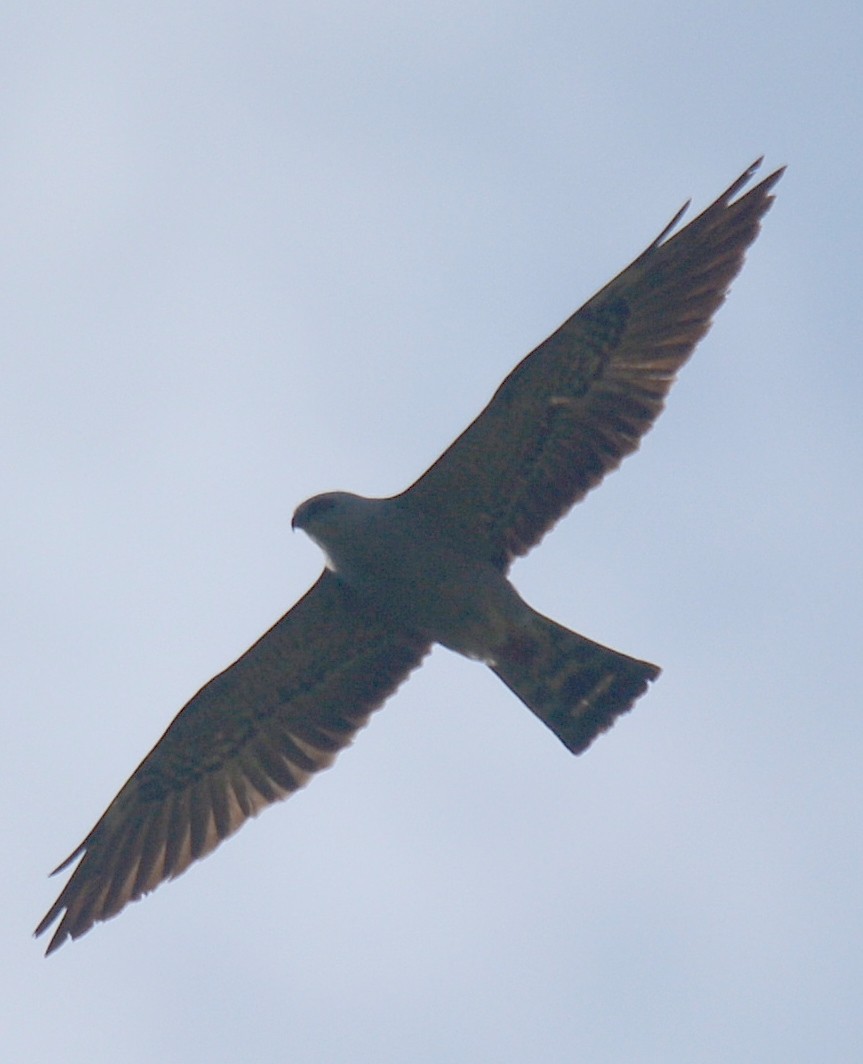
(252, 735)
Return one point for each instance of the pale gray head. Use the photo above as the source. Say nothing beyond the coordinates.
(308, 513)
(328, 511)
(337, 522)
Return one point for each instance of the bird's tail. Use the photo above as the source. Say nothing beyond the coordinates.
(577, 687)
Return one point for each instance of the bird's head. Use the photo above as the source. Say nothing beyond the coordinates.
(313, 512)
(337, 522)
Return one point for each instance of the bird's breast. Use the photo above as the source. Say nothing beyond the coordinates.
(420, 580)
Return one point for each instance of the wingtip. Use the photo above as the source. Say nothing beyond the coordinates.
(771, 179)
(56, 942)
(756, 166)
(764, 186)
(740, 182)
(74, 855)
(726, 199)
(671, 225)
(59, 936)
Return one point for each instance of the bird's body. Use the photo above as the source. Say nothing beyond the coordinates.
(442, 593)
(448, 595)
(430, 566)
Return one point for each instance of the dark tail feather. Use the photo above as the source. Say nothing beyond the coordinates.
(577, 687)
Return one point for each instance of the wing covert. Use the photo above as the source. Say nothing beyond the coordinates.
(580, 402)
(252, 735)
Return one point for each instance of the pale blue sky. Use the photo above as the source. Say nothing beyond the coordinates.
(257, 251)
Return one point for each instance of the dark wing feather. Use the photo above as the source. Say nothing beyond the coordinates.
(252, 735)
(577, 405)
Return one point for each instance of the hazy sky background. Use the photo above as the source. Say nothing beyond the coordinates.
(256, 251)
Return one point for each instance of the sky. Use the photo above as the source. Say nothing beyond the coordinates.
(254, 252)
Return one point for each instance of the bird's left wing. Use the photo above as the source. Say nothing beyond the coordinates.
(577, 405)
(252, 735)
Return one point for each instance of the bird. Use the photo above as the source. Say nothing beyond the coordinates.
(430, 566)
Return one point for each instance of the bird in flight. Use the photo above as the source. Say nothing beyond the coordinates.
(430, 566)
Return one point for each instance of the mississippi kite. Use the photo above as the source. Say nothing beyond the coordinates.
(429, 566)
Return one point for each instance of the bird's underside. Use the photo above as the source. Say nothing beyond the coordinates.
(427, 566)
